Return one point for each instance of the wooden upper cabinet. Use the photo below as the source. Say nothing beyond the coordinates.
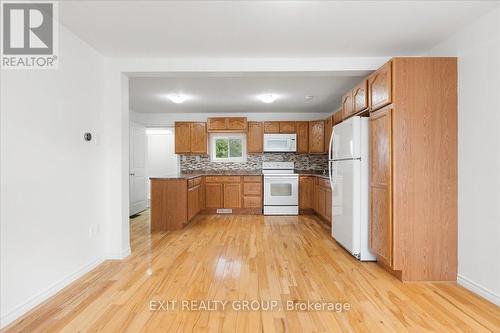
(198, 138)
(347, 105)
(302, 137)
(306, 192)
(190, 137)
(237, 124)
(328, 131)
(227, 124)
(317, 136)
(214, 124)
(380, 87)
(271, 127)
(287, 127)
(255, 137)
(232, 195)
(381, 231)
(360, 97)
(182, 138)
(337, 118)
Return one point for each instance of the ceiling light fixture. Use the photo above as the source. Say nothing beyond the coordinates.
(177, 98)
(267, 98)
(309, 97)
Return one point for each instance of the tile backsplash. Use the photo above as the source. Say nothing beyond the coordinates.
(254, 161)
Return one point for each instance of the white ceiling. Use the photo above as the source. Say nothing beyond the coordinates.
(260, 29)
(266, 28)
(238, 92)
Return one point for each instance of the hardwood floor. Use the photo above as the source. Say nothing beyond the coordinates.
(252, 258)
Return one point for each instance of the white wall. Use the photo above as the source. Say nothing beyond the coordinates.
(477, 47)
(52, 211)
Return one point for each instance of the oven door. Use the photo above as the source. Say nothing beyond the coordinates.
(281, 190)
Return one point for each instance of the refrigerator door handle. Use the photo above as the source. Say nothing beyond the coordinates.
(330, 146)
(331, 174)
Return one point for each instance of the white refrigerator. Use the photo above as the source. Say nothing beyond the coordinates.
(348, 172)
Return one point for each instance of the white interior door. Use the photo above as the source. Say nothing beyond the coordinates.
(161, 159)
(137, 177)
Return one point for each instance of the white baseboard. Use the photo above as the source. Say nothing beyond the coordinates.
(478, 289)
(9, 317)
(118, 255)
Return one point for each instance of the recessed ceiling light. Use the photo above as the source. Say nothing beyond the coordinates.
(309, 97)
(177, 98)
(267, 98)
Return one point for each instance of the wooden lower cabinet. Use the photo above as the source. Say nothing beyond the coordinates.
(169, 202)
(252, 193)
(242, 194)
(232, 195)
(252, 202)
(315, 195)
(380, 240)
(306, 193)
(193, 201)
(213, 195)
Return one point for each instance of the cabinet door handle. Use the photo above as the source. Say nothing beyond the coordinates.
(132, 174)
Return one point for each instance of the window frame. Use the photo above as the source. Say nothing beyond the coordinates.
(214, 136)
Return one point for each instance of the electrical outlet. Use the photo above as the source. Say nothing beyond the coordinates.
(197, 158)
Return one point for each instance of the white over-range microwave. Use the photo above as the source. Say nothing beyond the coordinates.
(280, 142)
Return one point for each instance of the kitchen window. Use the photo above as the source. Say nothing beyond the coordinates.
(228, 148)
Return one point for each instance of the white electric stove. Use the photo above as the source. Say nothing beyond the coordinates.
(281, 188)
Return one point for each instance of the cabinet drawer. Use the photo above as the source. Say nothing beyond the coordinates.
(252, 188)
(254, 179)
(193, 182)
(252, 202)
(222, 179)
(323, 182)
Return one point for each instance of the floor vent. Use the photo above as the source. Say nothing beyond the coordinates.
(224, 211)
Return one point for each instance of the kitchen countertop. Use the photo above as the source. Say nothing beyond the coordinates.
(198, 173)
(257, 172)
